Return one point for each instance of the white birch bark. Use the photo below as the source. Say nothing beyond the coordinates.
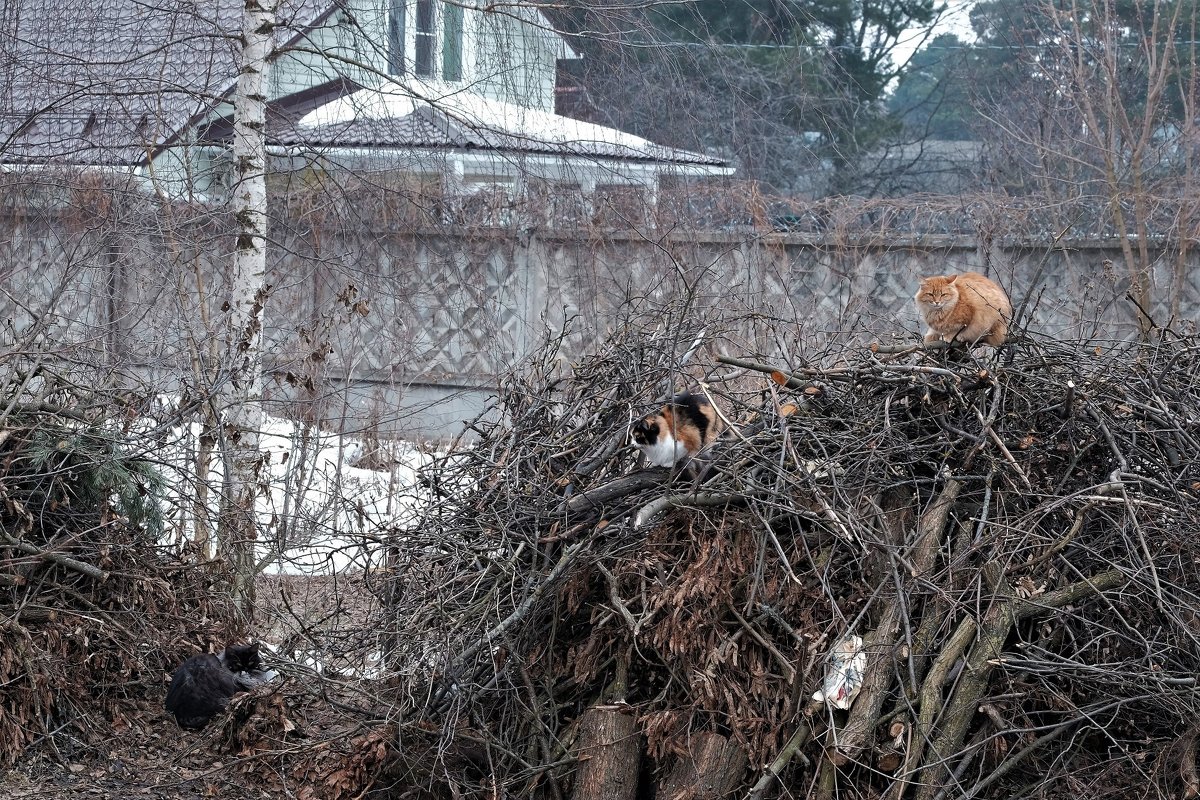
(247, 302)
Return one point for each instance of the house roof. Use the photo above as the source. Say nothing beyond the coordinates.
(404, 117)
(110, 82)
(106, 81)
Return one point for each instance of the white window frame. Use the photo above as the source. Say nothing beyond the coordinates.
(434, 67)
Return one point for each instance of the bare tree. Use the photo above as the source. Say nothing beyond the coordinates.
(246, 312)
(1100, 117)
(1123, 123)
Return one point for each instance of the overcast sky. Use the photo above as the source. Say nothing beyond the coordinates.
(956, 20)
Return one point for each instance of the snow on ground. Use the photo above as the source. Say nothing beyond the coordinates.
(322, 511)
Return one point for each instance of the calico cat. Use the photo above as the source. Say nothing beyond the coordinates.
(964, 308)
(202, 686)
(678, 431)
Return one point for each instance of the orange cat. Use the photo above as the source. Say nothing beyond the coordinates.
(964, 308)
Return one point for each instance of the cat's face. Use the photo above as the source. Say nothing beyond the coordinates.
(655, 439)
(242, 658)
(646, 430)
(938, 291)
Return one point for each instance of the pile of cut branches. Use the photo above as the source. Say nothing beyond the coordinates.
(1009, 540)
(93, 611)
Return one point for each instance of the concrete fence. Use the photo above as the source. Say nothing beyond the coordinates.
(409, 330)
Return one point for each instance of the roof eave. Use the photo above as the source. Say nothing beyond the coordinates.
(333, 151)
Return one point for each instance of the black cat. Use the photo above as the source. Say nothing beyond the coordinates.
(202, 686)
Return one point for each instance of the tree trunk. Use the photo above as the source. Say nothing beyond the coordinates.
(711, 770)
(248, 294)
(609, 753)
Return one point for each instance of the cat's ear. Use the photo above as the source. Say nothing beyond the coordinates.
(952, 279)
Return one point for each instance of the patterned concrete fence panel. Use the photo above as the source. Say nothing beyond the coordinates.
(409, 330)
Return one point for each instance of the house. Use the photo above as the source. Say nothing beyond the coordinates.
(936, 166)
(442, 91)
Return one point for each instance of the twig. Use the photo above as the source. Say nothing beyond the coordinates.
(913, 347)
(655, 507)
(614, 490)
(786, 753)
(1014, 759)
(1008, 456)
(1068, 403)
(788, 669)
(931, 691)
(73, 564)
(616, 601)
(527, 605)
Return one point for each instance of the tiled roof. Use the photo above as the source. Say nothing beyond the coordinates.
(103, 81)
(414, 130)
(110, 81)
(381, 120)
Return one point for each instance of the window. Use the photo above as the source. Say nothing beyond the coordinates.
(432, 47)
(396, 38)
(426, 30)
(452, 36)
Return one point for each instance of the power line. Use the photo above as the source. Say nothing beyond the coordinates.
(829, 47)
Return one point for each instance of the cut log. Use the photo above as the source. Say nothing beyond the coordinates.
(711, 770)
(609, 754)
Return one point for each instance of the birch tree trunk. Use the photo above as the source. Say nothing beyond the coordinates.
(247, 302)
